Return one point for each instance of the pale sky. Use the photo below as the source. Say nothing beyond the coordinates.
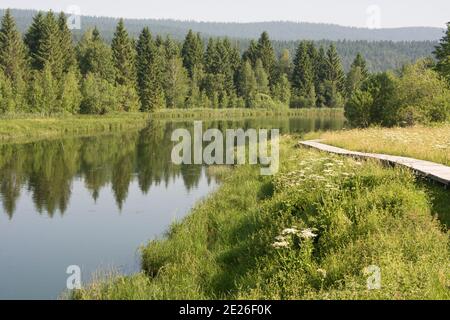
(392, 13)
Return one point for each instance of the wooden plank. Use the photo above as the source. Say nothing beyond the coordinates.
(435, 171)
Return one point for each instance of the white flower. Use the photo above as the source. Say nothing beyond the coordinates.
(322, 272)
(307, 234)
(280, 244)
(280, 238)
(292, 230)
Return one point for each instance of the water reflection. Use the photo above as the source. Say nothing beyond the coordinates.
(47, 168)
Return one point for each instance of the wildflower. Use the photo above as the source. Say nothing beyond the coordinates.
(292, 230)
(280, 244)
(280, 238)
(322, 272)
(307, 234)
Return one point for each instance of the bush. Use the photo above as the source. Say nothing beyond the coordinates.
(357, 108)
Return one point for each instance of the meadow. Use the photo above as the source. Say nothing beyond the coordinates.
(422, 142)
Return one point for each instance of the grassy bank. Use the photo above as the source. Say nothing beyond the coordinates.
(243, 113)
(27, 128)
(24, 128)
(427, 143)
(307, 233)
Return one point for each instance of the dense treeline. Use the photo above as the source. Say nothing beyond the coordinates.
(45, 72)
(417, 93)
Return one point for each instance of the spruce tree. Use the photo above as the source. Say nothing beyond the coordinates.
(321, 74)
(361, 63)
(13, 62)
(334, 70)
(442, 54)
(123, 55)
(33, 39)
(50, 52)
(251, 54)
(356, 76)
(12, 50)
(303, 72)
(66, 43)
(192, 52)
(266, 54)
(148, 73)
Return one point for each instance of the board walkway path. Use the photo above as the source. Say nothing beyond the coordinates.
(434, 171)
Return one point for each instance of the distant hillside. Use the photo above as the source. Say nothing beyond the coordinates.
(383, 48)
(278, 30)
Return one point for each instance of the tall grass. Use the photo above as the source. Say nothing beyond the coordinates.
(26, 128)
(427, 143)
(240, 113)
(307, 233)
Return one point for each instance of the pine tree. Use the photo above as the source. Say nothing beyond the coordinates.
(123, 56)
(442, 54)
(148, 73)
(33, 39)
(334, 69)
(192, 52)
(66, 43)
(266, 54)
(303, 72)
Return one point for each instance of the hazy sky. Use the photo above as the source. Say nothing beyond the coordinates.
(392, 13)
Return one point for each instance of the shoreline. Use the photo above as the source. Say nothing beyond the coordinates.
(363, 214)
(27, 128)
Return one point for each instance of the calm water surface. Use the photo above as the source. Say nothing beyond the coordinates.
(93, 201)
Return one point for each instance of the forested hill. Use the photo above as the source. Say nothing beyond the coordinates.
(383, 49)
(278, 30)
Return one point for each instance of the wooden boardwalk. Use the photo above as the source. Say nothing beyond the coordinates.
(435, 171)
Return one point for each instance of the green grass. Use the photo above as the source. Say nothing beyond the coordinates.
(28, 128)
(362, 213)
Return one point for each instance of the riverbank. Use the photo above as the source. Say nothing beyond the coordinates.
(31, 127)
(316, 230)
